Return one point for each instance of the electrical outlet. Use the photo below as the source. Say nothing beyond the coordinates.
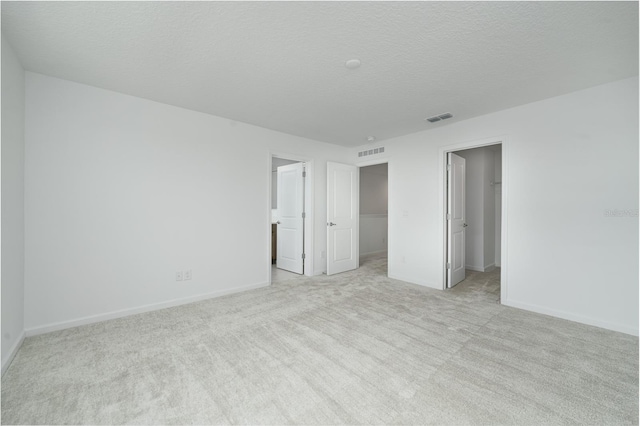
(179, 276)
(187, 274)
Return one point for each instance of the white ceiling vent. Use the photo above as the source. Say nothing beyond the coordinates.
(439, 117)
(373, 151)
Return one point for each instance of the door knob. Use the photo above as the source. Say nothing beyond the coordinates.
(331, 224)
(464, 225)
(278, 222)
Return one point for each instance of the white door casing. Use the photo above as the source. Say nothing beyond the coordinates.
(342, 217)
(456, 217)
(290, 239)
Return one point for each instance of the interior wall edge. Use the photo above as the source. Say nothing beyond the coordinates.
(6, 363)
(475, 268)
(415, 281)
(63, 325)
(373, 252)
(12, 202)
(587, 320)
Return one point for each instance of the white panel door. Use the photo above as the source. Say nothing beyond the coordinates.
(342, 217)
(290, 236)
(456, 217)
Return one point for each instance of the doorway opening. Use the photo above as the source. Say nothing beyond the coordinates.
(290, 218)
(473, 219)
(373, 221)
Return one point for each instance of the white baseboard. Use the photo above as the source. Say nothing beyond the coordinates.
(133, 311)
(487, 268)
(12, 353)
(373, 252)
(622, 328)
(414, 281)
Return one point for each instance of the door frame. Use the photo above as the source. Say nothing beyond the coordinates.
(308, 208)
(442, 155)
(386, 161)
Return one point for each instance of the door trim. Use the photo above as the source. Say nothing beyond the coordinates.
(308, 207)
(442, 155)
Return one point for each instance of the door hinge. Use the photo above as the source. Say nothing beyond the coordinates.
(304, 174)
(448, 265)
(304, 255)
(448, 167)
(448, 216)
(304, 215)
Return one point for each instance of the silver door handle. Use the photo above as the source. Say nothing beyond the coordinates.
(331, 224)
(278, 223)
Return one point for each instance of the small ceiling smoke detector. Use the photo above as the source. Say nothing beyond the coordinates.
(439, 117)
(371, 138)
(352, 64)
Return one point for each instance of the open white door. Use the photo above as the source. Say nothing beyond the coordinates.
(456, 217)
(342, 217)
(290, 250)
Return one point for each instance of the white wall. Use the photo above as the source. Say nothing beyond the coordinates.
(373, 189)
(373, 233)
(567, 159)
(497, 159)
(12, 204)
(118, 195)
(489, 205)
(122, 192)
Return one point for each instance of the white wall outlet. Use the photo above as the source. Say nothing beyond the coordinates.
(187, 274)
(179, 276)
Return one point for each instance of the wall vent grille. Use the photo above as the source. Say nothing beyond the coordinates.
(373, 151)
(439, 117)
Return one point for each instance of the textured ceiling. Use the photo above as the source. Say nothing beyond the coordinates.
(280, 65)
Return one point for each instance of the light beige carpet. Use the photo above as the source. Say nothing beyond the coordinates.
(349, 349)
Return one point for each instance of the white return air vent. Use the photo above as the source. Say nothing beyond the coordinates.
(373, 151)
(439, 117)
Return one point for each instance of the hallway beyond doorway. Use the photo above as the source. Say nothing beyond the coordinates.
(279, 275)
(479, 286)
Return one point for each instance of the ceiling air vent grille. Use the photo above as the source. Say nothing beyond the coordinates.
(439, 117)
(373, 151)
